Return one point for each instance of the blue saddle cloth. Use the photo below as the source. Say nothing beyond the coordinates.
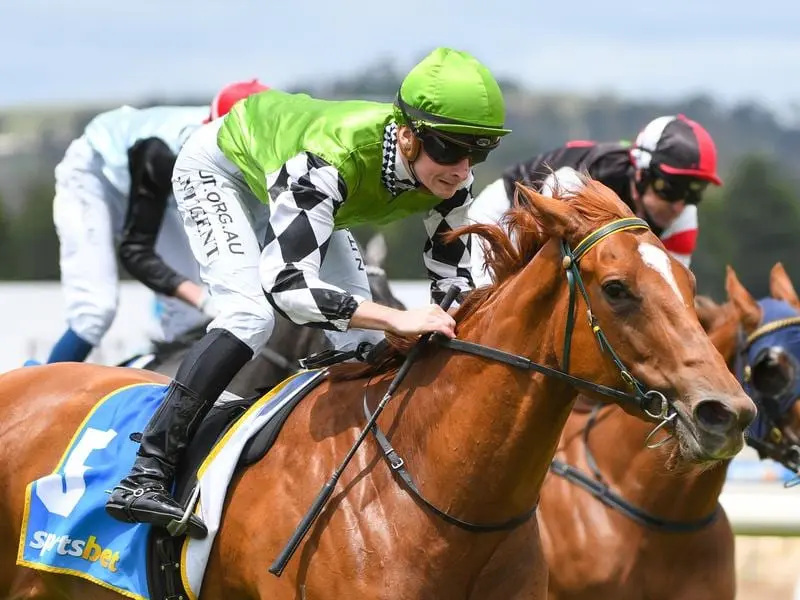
(65, 528)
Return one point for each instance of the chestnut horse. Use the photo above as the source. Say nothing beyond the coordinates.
(670, 540)
(477, 432)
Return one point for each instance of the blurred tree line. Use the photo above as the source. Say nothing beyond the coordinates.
(750, 223)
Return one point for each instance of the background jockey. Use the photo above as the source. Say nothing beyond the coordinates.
(269, 194)
(661, 177)
(114, 187)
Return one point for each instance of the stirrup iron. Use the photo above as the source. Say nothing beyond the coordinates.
(179, 527)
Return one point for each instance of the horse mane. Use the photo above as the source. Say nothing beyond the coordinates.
(721, 322)
(510, 246)
(708, 311)
(713, 316)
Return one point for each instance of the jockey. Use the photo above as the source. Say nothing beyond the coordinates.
(268, 196)
(661, 177)
(114, 185)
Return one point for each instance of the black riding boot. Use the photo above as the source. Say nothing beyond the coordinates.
(143, 496)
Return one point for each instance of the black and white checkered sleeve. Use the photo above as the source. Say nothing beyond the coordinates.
(448, 264)
(304, 197)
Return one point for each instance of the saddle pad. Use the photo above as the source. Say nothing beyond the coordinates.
(215, 473)
(65, 528)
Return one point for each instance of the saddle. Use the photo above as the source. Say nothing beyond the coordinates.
(164, 550)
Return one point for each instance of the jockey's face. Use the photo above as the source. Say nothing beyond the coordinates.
(661, 212)
(441, 180)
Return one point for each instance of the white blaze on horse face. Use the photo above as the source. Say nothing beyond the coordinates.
(657, 259)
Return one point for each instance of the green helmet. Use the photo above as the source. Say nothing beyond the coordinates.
(450, 91)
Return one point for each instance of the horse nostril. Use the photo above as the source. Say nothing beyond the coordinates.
(715, 416)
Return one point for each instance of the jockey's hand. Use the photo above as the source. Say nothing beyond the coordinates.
(417, 321)
(197, 296)
(404, 323)
(207, 306)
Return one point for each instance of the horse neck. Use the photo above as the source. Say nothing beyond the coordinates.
(479, 433)
(654, 480)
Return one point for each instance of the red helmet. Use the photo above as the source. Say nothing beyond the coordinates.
(231, 94)
(676, 145)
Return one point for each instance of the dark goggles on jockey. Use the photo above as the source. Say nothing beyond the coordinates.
(679, 188)
(774, 372)
(450, 148)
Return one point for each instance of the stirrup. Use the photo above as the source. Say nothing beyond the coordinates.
(179, 527)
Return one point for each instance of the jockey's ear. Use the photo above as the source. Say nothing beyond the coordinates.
(748, 309)
(557, 218)
(780, 286)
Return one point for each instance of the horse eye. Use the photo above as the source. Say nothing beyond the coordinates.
(616, 290)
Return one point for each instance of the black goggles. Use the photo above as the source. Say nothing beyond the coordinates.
(774, 372)
(676, 189)
(449, 149)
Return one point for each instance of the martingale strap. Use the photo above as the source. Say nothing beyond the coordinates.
(397, 465)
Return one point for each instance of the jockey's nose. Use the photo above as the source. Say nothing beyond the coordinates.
(462, 168)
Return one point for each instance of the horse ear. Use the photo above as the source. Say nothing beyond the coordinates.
(748, 309)
(556, 217)
(780, 286)
(376, 250)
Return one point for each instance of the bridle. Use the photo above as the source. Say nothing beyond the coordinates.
(598, 487)
(652, 402)
(777, 442)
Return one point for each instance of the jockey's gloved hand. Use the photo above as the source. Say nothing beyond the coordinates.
(207, 306)
(417, 321)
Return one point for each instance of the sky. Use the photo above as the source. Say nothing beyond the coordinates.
(103, 50)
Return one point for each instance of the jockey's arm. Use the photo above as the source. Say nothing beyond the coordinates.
(449, 264)
(150, 162)
(304, 198)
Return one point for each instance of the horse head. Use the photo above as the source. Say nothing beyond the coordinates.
(765, 352)
(625, 317)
